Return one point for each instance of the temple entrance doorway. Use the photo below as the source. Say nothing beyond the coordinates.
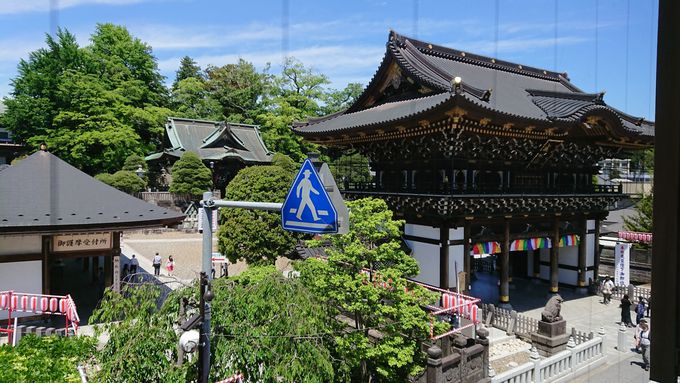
(519, 264)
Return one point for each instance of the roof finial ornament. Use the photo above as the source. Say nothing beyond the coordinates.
(600, 97)
(456, 84)
(487, 95)
(43, 146)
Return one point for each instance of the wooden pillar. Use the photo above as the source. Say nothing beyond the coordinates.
(581, 279)
(537, 263)
(596, 266)
(466, 255)
(444, 257)
(554, 254)
(504, 293)
(46, 263)
(108, 259)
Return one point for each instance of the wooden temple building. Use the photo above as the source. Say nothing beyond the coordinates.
(482, 156)
(224, 147)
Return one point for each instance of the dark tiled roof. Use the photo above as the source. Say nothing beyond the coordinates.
(42, 193)
(214, 140)
(515, 91)
(390, 112)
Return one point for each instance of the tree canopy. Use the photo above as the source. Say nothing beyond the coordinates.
(190, 175)
(255, 235)
(365, 270)
(92, 105)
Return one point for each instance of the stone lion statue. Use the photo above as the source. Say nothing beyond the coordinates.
(551, 312)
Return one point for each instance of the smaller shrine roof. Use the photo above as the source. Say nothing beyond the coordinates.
(43, 193)
(214, 140)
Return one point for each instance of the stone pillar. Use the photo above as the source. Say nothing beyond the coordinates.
(554, 254)
(581, 279)
(551, 337)
(444, 257)
(434, 365)
(483, 339)
(504, 293)
(466, 256)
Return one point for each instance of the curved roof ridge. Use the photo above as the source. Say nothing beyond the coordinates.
(475, 59)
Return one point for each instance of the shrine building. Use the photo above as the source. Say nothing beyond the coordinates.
(482, 156)
(59, 226)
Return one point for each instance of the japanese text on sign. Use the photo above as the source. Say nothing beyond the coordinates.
(81, 241)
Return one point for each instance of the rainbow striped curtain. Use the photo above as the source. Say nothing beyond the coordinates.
(530, 244)
(486, 248)
(569, 240)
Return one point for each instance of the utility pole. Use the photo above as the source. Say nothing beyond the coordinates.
(206, 295)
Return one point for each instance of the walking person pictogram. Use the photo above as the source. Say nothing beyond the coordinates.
(305, 188)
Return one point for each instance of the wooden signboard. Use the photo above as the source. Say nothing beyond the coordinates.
(82, 242)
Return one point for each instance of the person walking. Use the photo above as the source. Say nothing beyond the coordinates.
(640, 309)
(134, 263)
(644, 343)
(625, 311)
(607, 287)
(157, 265)
(170, 265)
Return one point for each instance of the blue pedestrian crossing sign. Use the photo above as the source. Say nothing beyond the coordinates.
(308, 207)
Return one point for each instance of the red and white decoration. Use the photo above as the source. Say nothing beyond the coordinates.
(635, 236)
(39, 304)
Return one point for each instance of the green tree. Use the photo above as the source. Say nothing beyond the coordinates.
(45, 359)
(238, 89)
(133, 161)
(191, 98)
(641, 221)
(123, 180)
(337, 100)
(254, 235)
(267, 320)
(93, 106)
(365, 270)
(190, 175)
(143, 344)
(188, 68)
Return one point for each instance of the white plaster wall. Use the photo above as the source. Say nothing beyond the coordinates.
(20, 244)
(569, 277)
(590, 250)
(25, 277)
(455, 234)
(590, 224)
(568, 255)
(421, 231)
(455, 263)
(427, 256)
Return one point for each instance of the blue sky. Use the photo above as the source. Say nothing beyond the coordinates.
(604, 45)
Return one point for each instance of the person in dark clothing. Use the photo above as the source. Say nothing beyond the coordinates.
(625, 311)
(640, 309)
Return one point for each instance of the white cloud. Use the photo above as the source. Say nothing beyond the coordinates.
(20, 6)
(11, 50)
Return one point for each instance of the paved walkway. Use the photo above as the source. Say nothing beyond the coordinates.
(586, 313)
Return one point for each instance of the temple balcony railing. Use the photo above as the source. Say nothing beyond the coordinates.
(443, 190)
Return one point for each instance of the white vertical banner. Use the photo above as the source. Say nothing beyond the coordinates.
(215, 217)
(116, 273)
(622, 264)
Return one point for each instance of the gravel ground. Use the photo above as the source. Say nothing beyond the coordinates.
(186, 250)
(509, 354)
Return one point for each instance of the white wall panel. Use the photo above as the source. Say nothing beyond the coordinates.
(24, 277)
(427, 256)
(421, 231)
(20, 244)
